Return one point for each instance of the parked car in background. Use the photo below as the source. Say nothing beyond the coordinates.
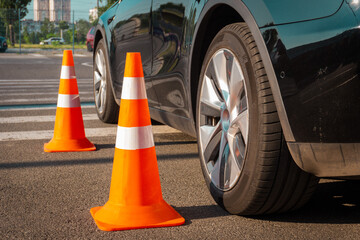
(269, 88)
(53, 40)
(90, 39)
(3, 44)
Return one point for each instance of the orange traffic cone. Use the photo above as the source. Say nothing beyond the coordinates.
(69, 133)
(135, 199)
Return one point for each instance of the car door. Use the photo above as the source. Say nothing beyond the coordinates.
(131, 32)
(169, 51)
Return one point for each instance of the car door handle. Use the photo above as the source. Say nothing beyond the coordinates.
(110, 19)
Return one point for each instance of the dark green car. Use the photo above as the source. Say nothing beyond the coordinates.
(270, 88)
(3, 44)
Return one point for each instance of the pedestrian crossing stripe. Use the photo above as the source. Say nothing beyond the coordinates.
(89, 132)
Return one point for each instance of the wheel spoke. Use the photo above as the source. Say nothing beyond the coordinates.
(210, 139)
(99, 59)
(237, 89)
(219, 63)
(220, 174)
(210, 99)
(237, 150)
(102, 97)
(97, 80)
(241, 123)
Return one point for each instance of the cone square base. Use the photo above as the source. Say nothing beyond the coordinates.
(69, 145)
(114, 218)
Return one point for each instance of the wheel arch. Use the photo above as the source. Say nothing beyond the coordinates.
(214, 16)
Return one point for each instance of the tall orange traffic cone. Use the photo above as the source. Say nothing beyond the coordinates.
(135, 199)
(69, 133)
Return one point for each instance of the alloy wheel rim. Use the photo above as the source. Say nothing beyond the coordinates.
(223, 119)
(100, 81)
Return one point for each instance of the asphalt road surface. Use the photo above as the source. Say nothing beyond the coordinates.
(49, 195)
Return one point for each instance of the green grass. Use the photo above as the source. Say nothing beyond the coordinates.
(53, 46)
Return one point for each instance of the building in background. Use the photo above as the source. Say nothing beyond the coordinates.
(93, 14)
(54, 10)
(41, 10)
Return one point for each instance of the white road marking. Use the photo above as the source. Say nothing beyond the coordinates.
(37, 108)
(47, 118)
(74, 55)
(38, 55)
(41, 80)
(87, 64)
(89, 132)
(39, 84)
(54, 100)
(38, 94)
(31, 86)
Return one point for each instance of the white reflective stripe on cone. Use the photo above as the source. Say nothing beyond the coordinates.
(68, 100)
(133, 88)
(67, 72)
(132, 138)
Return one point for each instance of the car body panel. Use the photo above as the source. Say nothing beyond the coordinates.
(355, 7)
(169, 56)
(309, 50)
(268, 12)
(317, 67)
(131, 33)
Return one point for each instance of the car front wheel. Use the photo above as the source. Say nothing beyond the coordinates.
(106, 107)
(244, 158)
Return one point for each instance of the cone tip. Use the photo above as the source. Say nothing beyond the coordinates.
(68, 58)
(133, 65)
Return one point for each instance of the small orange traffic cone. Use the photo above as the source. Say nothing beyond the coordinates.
(69, 133)
(135, 199)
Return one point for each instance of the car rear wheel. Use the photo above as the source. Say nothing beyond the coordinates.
(244, 158)
(106, 107)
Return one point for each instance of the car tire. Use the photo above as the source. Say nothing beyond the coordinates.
(237, 120)
(105, 104)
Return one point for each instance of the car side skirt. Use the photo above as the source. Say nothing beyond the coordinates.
(173, 120)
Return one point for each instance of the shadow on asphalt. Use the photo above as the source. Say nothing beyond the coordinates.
(72, 162)
(54, 163)
(109, 146)
(200, 212)
(335, 202)
(104, 146)
(174, 143)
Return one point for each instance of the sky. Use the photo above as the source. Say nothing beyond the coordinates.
(81, 8)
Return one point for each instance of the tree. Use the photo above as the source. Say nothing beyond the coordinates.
(63, 25)
(12, 14)
(26, 35)
(108, 4)
(34, 38)
(68, 35)
(47, 29)
(82, 28)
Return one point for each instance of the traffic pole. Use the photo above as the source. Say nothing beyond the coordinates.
(20, 30)
(73, 32)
